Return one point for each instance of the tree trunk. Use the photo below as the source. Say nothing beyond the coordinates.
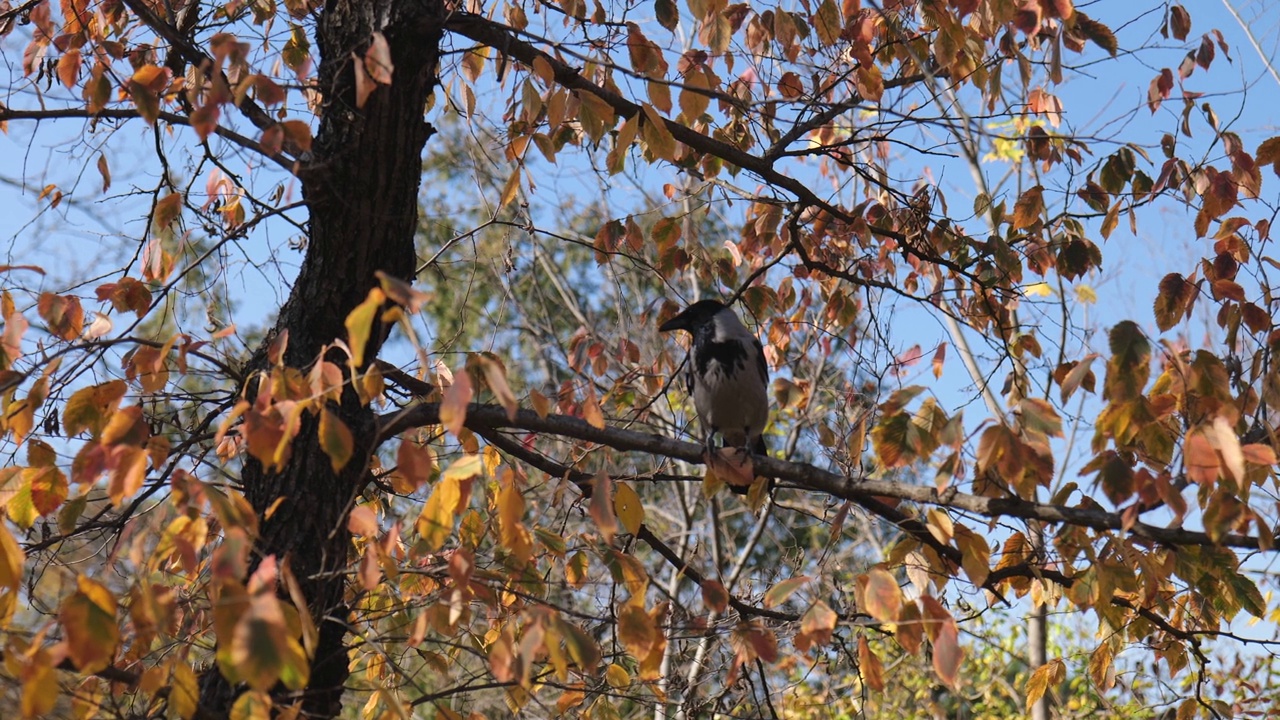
(361, 186)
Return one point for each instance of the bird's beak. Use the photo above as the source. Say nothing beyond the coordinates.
(679, 322)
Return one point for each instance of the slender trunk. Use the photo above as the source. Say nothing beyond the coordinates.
(361, 186)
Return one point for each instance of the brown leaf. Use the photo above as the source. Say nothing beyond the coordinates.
(715, 596)
(1029, 208)
(601, 506)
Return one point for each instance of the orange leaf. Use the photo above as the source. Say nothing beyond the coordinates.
(63, 314)
(591, 410)
(1029, 208)
(636, 630)
(881, 595)
(414, 463)
(869, 665)
(453, 409)
(495, 376)
(947, 654)
(816, 626)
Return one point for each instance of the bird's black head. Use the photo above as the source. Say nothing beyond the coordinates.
(694, 316)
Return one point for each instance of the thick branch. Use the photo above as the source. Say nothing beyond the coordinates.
(854, 489)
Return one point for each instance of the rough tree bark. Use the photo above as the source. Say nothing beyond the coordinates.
(361, 186)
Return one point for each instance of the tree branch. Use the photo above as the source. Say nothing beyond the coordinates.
(858, 490)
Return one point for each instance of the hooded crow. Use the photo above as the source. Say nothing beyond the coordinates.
(726, 375)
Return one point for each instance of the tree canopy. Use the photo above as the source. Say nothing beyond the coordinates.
(331, 383)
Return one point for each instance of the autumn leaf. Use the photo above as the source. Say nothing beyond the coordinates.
(1029, 208)
(92, 407)
(816, 627)
(870, 666)
(947, 654)
(882, 597)
(62, 314)
(359, 324)
(1048, 675)
(453, 409)
(11, 560)
(495, 377)
(601, 506)
(779, 593)
(714, 595)
(88, 617)
(627, 507)
(511, 530)
(335, 439)
(636, 630)
(377, 59)
(362, 521)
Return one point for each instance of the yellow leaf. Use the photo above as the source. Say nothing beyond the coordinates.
(656, 135)
(88, 618)
(1086, 294)
(335, 440)
(779, 593)
(514, 535)
(359, 324)
(252, 705)
(1051, 673)
(626, 504)
(617, 677)
(1040, 289)
(184, 694)
(511, 189)
(11, 560)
